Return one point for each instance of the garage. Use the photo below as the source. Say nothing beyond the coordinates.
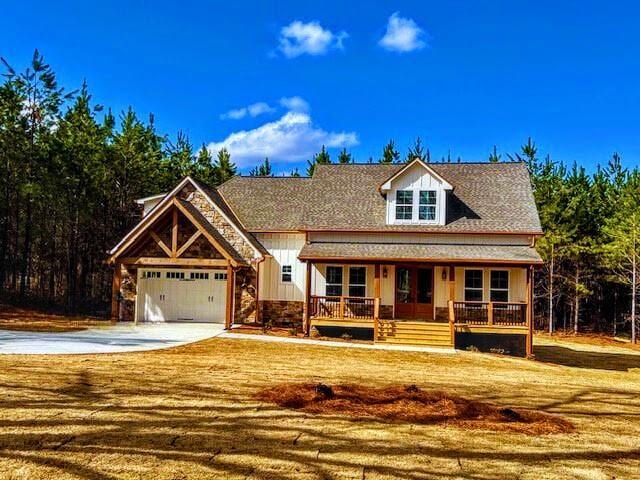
(181, 295)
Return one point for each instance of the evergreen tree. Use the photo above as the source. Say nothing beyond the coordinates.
(418, 151)
(224, 167)
(262, 170)
(494, 157)
(320, 158)
(345, 157)
(204, 168)
(389, 153)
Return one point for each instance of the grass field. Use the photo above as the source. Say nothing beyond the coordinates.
(29, 320)
(190, 412)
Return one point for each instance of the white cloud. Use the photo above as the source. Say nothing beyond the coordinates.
(299, 38)
(291, 138)
(252, 110)
(294, 104)
(402, 35)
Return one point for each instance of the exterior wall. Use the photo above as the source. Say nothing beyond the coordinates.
(245, 291)
(128, 290)
(281, 312)
(228, 231)
(517, 283)
(150, 204)
(417, 178)
(284, 248)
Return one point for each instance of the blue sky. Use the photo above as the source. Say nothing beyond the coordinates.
(462, 75)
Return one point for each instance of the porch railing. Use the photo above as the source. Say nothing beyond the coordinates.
(490, 313)
(344, 308)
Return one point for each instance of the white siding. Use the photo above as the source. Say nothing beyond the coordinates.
(318, 278)
(410, 237)
(285, 248)
(416, 178)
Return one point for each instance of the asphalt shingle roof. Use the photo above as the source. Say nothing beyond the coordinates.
(424, 252)
(486, 197)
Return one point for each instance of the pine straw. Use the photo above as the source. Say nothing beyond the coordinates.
(412, 405)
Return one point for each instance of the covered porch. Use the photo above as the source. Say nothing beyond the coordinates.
(420, 301)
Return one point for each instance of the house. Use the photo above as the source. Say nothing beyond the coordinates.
(432, 254)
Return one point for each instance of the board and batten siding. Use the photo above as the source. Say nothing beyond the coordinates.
(517, 283)
(284, 248)
(387, 289)
(416, 178)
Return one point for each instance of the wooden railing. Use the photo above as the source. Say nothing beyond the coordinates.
(489, 313)
(343, 308)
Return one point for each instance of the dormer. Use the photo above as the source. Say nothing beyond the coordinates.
(416, 195)
(148, 203)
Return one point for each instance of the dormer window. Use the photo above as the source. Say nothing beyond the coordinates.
(404, 205)
(416, 194)
(427, 205)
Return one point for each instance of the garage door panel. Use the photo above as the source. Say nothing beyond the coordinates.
(183, 295)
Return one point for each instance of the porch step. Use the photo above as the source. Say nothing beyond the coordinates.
(414, 333)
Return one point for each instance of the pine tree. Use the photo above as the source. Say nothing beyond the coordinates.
(204, 168)
(494, 157)
(224, 167)
(262, 170)
(418, 151)
(345, 157)
(389, 153)
(320, 158)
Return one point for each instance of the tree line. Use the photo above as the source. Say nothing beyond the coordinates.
(71, 170)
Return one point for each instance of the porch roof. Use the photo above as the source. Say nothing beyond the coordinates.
(450, 253)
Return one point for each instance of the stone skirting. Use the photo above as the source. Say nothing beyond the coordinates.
(442, 314)
(281, 312)
(386, 312)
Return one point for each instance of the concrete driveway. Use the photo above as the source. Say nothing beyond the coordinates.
(108, 339)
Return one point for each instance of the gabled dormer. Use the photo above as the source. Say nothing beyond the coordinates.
(416, 194)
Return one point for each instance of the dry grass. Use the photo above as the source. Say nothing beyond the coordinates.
(598, 339)
(191, 413)
(29, 320)
(410, 404)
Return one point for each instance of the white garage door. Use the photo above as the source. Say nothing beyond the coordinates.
(173, 295)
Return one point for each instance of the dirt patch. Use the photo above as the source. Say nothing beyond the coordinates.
(29, 320)
(411, 404)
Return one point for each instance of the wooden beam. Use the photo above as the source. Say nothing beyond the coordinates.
(115, 291)
(452, 282)
(161, 244)
(174, 235)
(529, 314)
(376, 281)
(174, 262)
(228, 319)
(306, 315)
(188, 243)
(207, 235)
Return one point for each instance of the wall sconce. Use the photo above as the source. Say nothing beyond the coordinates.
(444, 274)
(385, 274)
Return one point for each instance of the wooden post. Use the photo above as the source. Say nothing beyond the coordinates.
(490, 313)
(341, 307)
(115, 291)
(529, 314)
(452, 283)
(306, 312)
(376, 317)
(452, 322)
(174, 234)
(376, 281)
(231, 281)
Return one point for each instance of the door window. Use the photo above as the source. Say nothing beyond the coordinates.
(424, 287)
(403, 285)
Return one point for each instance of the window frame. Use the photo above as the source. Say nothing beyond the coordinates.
(507, 290)
(283, 273)
(363, 285)
(481, 288)
(404, 205)
(433, 205)
(327, 283)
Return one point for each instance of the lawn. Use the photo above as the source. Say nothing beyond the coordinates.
(190, 412)
(29, 320)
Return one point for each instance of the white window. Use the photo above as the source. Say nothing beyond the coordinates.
(285, 274)
(219, 276)
(357, 281)
(199, 276)
(473, 285)
(404, 205)
(499, 288)
(175, 275)
(427, 207)
(334, 281)
(149, 274)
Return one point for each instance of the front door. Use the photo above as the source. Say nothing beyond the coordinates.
(414, 292)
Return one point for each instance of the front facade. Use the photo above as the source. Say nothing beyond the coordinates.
(430, 254)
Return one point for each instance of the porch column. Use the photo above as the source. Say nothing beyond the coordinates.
(306, 313)
(231, 288)
(529, 313)
(452, 283)
(376, 280)
(115, 291)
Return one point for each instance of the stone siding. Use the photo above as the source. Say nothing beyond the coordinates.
(386, 312)
(281, 312)
(245, 296)
(227, 230)
(128, 289)
(442, 314)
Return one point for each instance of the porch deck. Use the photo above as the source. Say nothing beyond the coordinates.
(464, 317)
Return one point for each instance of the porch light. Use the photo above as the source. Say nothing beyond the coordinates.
(444, 274)
(385, 274)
